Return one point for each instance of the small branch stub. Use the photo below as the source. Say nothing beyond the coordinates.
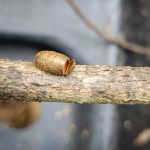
(54, 62)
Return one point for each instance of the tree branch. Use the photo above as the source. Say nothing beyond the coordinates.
(107, 37)
(94, 84)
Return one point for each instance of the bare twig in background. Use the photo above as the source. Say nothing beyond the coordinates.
(88, 84)
(107, 37)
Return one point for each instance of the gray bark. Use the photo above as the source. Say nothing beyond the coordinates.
(93, 84)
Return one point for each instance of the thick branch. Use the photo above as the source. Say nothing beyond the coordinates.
(107, 37)
(95, 84)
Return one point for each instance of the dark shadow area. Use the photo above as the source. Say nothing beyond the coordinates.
(135, 22)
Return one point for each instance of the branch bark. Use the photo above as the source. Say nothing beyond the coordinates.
(107, 37)
(93, 84)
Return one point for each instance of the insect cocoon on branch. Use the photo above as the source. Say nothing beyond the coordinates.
(54, 62)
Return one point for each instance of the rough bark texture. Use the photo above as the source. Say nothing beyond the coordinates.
(86, 84)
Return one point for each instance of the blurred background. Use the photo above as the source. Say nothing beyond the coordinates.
(27, 27)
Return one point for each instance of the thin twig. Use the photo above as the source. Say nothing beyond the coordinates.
(107, 37)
